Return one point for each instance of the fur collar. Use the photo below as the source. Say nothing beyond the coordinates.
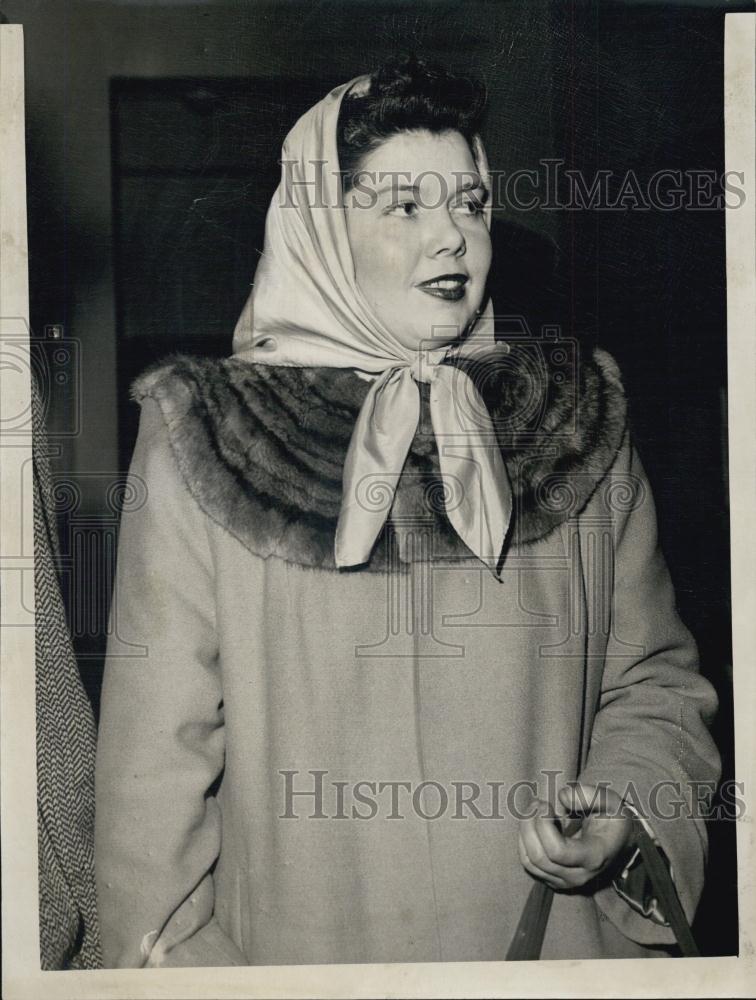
(261, 448)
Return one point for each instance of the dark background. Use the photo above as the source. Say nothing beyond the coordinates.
(153, 131)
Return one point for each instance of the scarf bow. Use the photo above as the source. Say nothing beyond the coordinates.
(477, 494)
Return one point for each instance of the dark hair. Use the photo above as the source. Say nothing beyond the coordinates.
(406, 94)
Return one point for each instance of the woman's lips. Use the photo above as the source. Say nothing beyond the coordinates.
(450, 287)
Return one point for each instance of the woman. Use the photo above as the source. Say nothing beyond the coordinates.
(397, 594)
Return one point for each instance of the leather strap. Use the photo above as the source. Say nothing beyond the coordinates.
(527, 941)
(665, 892)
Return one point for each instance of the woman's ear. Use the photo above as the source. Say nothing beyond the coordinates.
(481, 162)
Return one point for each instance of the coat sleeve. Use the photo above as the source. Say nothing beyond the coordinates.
(161, 736)
(650, 740)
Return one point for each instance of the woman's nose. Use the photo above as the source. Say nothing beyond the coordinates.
(444, 238)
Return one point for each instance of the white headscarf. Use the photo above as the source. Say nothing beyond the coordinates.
(305, 309)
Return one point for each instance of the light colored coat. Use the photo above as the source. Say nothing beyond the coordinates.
(240, 654)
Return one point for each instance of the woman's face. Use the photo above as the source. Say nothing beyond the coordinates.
(418, 235)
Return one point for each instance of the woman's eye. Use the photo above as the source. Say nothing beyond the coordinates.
(407, 209)
(470, 206)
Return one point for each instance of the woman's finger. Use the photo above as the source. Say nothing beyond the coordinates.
(568, 852)
(571, 878)
(538, 873)
(561, 862)
(536, 851)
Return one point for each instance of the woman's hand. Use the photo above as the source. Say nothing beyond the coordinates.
(569, 862)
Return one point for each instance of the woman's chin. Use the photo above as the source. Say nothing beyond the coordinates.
(434, 336)
(442, 324)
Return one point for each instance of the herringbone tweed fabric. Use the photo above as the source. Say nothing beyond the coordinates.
(69, 937)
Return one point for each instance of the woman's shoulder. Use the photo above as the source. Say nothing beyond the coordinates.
(255, 421)
(228, 384)
(178, 376)
(541, 386)
(559, 412)
(260, 448)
